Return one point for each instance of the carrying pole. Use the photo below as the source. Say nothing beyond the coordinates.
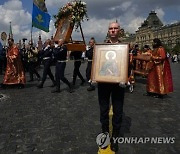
(82, 33)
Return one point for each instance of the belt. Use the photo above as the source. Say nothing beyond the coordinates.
(78, 60)
(46, 58)
(61, 61)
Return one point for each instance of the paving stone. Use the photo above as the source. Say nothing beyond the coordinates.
(36, 121)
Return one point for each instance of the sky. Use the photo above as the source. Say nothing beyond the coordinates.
(129, 13)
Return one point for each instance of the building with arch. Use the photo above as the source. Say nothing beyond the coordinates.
(152, 28)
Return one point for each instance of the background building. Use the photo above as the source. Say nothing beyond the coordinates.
(152, 28)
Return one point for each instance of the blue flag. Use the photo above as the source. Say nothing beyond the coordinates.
(40, 17)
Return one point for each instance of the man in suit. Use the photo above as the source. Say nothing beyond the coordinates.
(89, 55)
(60, 55)
(47, 60)
(77, 55)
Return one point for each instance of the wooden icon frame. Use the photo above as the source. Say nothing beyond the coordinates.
(114, 56)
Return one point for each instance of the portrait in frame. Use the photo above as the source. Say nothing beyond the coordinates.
(64, 30)
(110, 63)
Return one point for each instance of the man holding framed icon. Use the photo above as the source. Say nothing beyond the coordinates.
(111, 73)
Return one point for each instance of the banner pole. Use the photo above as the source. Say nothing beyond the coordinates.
(31, 33)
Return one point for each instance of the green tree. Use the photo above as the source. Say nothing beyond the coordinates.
(176, 49)
(167, 48)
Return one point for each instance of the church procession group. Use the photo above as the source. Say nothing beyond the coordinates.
(159, 78)
(18, 61)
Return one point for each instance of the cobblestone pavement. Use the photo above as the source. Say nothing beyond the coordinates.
(36, 121)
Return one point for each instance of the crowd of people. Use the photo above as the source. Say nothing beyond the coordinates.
(29, 59)
(16, 62)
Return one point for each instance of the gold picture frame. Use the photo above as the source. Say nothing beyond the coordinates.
(110, 63)
(64, 30)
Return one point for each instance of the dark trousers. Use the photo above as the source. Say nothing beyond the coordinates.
(47, 70)
(25, 65)
(1, 66)
(60, 68)
(76, 71)
(88, 70)
(105, 91)
(32, 70)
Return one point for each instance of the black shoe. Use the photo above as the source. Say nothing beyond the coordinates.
(114, 146)
(158, 96)
(56, 91)
(91, 88)
(82, 83)
(3, 86)
(40, 85)
(113, 140)
(147, 94)
(71, 90)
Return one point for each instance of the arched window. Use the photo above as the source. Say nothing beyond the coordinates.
(178, 41)
(169, 43)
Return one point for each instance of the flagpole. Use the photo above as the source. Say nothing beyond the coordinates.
(31, 33)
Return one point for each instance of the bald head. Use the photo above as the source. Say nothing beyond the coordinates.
(114, 23)
(114, 30)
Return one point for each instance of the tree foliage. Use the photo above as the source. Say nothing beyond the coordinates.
(176, 49)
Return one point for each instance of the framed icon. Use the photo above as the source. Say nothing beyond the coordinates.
(64, 30)
(110, 63)
(3, 36)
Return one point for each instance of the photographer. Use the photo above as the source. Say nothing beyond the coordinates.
(32, 61)
(2, 59)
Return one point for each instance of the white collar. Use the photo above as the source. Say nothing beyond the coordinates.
(115, 42)
(47, 47)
